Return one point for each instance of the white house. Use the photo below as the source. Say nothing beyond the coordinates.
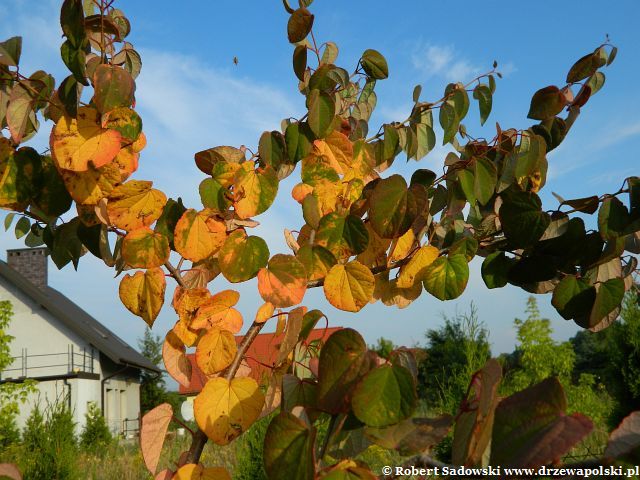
(72, 356)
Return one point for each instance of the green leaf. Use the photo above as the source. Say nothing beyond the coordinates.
(392, 208)
(273, 149)
(425, 139)
(322, 109)
(341, 360)
(8, 220)
(171, 213)
(299, 25)
(446, 278)
(585, 67)
(114, 87)
(299, 139)
(467, 246)
(75, 60)
(596, 82)
(546, 103)
(289, 449)
(52, 197)
(609, 296)
(343, 235)
(386, 395)
(495, 269)
(330, 53)
(612, 55)
(479, 180)
(573, 297)
(213, 195)
(72, 22)
(532, 429)
(241, 257)
(10, 51)
(300, 61)
(613, 218)
(69, 93)
(22, 227)
(423, 177)
(374, 64)
(317, 260)
(482, 93)
(522, 218)
(448, 121)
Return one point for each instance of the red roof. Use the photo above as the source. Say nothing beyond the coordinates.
(263, 352)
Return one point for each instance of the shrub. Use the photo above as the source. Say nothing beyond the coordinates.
(95, 434)
(50, 434)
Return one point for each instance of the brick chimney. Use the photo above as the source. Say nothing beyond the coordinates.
(31, 263)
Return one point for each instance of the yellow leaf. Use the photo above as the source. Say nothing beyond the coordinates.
(224, 409)
(265, 312)
(175, 359)
(400, 297)
(215, 351)
(283, 282)
(192, 471)
(144, 248)
(76, 142)
(198, 235)
(300, 191)
(254, 190)
(185, 334)
(403, 246)
(135, 204)
(349, 287)
(92, 185)
(414, 271)
(143, 293)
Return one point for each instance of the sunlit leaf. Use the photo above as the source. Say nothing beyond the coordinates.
(349, 287)
(283, 282)
(125, 121)
(224, 409)
(546, 103)
(143, 293)
(254, 190)
(114, 87)
(392, 207)
(215, 351)
(242, 256)
(135, 204)
(482, 93)
(416, 269)
(374, 64)
(77, 141)
(317, 260)
(446, 278)
(143, 248)
(299, 25)
(191, 471)
(198, 235)
(343, 235)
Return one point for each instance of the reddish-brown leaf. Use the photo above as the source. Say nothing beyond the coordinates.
(153, 430)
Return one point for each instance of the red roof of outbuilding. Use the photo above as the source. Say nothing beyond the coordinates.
(263, 352)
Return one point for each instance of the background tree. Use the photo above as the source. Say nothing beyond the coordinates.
(358, 225)
(152, 386)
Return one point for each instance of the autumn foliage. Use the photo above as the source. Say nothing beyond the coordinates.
(358, 225)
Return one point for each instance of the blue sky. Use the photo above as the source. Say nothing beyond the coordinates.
(191, 96)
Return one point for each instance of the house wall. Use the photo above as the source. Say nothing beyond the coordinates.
(40, 333)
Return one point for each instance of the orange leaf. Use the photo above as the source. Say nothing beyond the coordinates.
(135, 204)
(300, 191)
(198, 235)
(164, 475)
(76, 142)
(185, 334)
(187, 301)
(224, 409)
(216, 313)
(175, 359)
(291, 334)
(192, 471)
(216, 350)
(143, 293)
(144, 248)
(153, 430)
(283, 282)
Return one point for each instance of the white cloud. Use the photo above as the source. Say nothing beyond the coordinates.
(444, 61)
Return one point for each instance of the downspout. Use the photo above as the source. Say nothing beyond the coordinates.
(66, 382)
